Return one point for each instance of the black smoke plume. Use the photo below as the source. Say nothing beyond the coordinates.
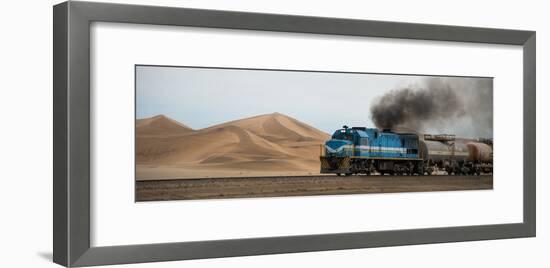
(462, 106)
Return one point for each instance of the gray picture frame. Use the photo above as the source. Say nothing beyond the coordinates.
(71, 117)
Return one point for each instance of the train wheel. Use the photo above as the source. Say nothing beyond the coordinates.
(338, 174)
(429, 171)
(348, 174)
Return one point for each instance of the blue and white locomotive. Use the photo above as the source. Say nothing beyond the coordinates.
(366, 150)
(360, 150)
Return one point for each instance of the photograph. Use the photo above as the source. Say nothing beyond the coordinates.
(212, 132)
(242, 134)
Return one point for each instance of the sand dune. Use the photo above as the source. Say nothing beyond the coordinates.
(160, 125)
(277, 127)
(268, 145)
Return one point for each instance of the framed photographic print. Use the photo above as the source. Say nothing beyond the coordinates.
(206, 132)
(297, 133)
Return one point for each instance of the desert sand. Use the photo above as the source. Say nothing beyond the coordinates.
(213, 188)
(265, 145)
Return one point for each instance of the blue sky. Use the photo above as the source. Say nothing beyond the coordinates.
(202, 97)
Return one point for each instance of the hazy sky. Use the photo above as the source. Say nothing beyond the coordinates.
(200, 97)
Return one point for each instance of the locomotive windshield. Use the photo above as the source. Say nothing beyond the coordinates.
(338, 135)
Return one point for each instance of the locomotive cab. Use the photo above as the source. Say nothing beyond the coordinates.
(344, 142)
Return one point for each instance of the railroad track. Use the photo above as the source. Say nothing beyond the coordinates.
(213, 188)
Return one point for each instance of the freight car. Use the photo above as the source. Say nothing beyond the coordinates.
(360, 150)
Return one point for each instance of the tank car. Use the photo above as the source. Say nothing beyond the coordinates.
(445, 153)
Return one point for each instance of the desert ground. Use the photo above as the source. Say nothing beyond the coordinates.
(265, 145)
(212, 188)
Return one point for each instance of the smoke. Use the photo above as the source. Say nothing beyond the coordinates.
(461, 106)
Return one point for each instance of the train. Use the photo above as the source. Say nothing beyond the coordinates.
(361, 150)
